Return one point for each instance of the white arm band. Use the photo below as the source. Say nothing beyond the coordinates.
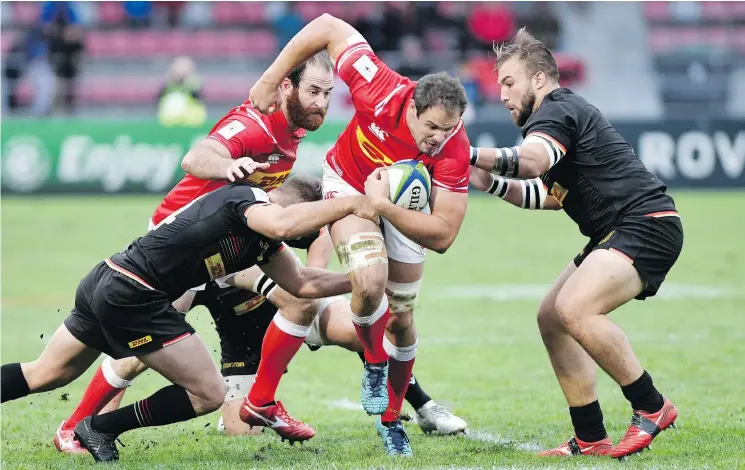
(534, 193)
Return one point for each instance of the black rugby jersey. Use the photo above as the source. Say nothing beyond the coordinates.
(205, 240)
(600, 180)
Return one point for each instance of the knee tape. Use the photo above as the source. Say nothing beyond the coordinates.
(403, 296)
(361, 250)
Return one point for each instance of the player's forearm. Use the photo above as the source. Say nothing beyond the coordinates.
(525, 194)
(318, 283)
(302, 219)
(205, 163)
(312, 39)
(428, 230)
(526, 161)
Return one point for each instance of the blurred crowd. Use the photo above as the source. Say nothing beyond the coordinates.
(415, 37)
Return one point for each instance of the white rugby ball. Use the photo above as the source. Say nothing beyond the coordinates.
(410, 184)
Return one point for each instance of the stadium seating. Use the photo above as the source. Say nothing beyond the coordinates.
(230, 41)
(695, 47)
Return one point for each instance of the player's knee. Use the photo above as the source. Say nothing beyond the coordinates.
(548, 322)
(210, 393)
(400, 323)
(567, 310)
(362, 256)
(41, 378)
(127, 368)
(368, 295)
(403, 296)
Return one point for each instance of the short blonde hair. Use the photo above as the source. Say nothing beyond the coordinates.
(529, 50)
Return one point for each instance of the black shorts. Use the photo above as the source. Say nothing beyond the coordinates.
(241, 347)
(652, 243)
(241, 337)
(119, 316)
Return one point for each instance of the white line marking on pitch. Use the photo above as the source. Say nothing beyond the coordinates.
(668, 291)
(483, 436)
(489, 438)
(345, 404)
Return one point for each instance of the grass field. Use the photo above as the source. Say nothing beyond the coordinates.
(480, 352)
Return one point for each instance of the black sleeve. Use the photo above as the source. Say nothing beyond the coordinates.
(557, 120)
(241, 197)
(305, 242)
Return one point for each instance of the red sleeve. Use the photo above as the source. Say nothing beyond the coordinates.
(243, 133)
(370, 81)
(452, 164)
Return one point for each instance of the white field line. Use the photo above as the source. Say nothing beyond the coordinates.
(668, 291)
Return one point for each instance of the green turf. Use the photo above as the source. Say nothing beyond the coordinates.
(480, 356)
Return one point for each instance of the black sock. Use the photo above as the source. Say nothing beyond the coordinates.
(168, 405)
(588, 422)
(415, 395)
(642, 394)
(13, 384)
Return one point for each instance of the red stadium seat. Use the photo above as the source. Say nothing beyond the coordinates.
(716, 10)
(657, 11)
(26, 13)
(111, 13)
(8, 39)
(310, 10)
(238, 12)
(737, 39)
(205, 43)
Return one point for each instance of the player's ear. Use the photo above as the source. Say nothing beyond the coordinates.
(286, 87)
(539, 80)
(412, 108)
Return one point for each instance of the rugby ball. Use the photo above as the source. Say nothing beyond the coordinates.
(410, 184)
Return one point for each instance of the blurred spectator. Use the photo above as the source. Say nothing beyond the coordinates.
(414, 62)
(286, 21)
(371, 27)
(65, 43)
(52, 12)
(471, 85)
(490, 23)
(139, 14)
(171, 12)
(179, 101)
(399, 18)
(543, 24)
(29, 55)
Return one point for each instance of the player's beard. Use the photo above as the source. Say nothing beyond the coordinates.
(526, 109)
(308, 119)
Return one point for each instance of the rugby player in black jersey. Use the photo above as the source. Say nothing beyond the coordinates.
(573, 159)
(123, 307)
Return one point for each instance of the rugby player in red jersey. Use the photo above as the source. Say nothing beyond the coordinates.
(395, 119)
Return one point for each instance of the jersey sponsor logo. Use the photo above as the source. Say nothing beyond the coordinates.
(373, 153)
(559, 193)
(215, 266)
(607, 237)
(379, 133)
(330, 194)
(274, 158)
(264, 247)
(233, 365)
(139, 342)
(231, 129)
(269, 180)
(248, 305)
(366, 68)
